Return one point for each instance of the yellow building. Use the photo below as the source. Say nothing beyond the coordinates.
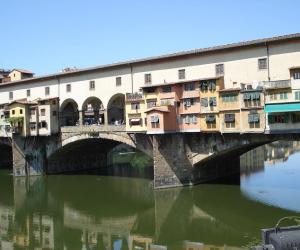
(209, 101)
(229, 107)
(135, 112)
(19, 117)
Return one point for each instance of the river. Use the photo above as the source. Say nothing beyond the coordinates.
(86, 212)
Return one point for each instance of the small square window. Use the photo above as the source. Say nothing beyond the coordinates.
(118, 81)
(47, 90)
(297, 75)
(43, 112)
(21, 111)
(28, 93)
(13, 112)
(92, 85)
(219, 69)
(148, 78)
(181, 74)
(68, 87)
(262, 63)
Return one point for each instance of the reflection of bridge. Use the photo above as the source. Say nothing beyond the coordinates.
(179, 159)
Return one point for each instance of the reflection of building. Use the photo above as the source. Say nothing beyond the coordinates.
(6, 225)
(252, 161)
(43, 231)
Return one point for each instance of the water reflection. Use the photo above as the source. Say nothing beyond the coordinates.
(93, 212)
(270, 174)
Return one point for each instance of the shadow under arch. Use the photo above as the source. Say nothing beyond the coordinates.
(69, 114)
(6, 157)
(90, 154)
(116, 108)
(93, 111)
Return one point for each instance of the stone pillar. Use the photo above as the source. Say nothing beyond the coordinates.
(171, 164)
(106, 117)
(80, 117)
(29, 156)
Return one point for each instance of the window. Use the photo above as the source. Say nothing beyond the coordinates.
(54, 102)
(189, 86)
(92, 85)
(43, 112)
(150, 90)
(204, 102)
(273, 97)
(68, 87)
(54, 113)
(210, 119)
(135, 121)
(32, 111)
(11, 95)
(135, 106)
(28, 92)
(166, 89)
(297, 95)
(21, 111)
(118, 81)
(32, 125)
(148, 79)
(151, 103)
(188, 102)
(219, 69)
(229, 120)
(296, 118)
(262, 63)
(188, 119)
(283, 96)
(181, 74)
(229, 98)
(43, 124)
(212, 101)
(280, 118)
(166, 102)
(13, 111)
(296, 75)
(47, 90)
(253, 119)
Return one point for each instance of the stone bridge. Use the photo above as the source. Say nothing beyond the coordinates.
(178, 159)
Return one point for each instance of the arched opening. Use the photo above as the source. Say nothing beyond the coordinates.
(102, 157)
(116, 109)
(93, 111)
(69, 115)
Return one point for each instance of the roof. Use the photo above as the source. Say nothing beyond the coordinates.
(163, 109)
(252, 43)
(230, 90)
(181, 82)
(25, 71)
(23, 101)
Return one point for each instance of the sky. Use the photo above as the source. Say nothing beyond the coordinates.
(45, 36)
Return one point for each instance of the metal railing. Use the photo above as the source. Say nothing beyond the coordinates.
(276, 84)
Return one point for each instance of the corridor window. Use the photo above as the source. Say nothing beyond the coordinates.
(118, 81)
(219, 69)
(181, 74)
(297, 75)
(92, 85)
(68, 87)
(11, 95)
(148, 78)
(28, 92)
(262, 63)
(47, 90)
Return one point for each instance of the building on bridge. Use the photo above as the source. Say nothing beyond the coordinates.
(282, 104)
(5, 128)
(33, 118)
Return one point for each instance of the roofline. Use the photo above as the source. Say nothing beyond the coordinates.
(250, 43)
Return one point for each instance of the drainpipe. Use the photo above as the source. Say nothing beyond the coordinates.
(268, 60)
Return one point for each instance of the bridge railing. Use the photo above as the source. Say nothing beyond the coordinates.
(93, 128)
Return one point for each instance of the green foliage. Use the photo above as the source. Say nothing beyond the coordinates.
(15, 120)
(252, 243)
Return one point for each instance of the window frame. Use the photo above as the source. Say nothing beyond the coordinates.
(47, 91)
(220, 69)
(260, 64)
(181, 74)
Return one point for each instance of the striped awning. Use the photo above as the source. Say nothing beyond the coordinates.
(282, 107)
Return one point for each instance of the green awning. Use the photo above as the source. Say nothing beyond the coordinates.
(282, 107)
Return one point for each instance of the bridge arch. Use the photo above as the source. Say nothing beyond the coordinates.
(69, 113)
(93, 111)
(116, 109)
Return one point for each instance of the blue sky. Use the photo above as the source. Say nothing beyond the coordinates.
(48, 35)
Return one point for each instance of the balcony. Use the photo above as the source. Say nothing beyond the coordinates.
(281, 84)
(134, 96)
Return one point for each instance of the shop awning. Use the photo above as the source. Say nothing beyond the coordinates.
(282, 107)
